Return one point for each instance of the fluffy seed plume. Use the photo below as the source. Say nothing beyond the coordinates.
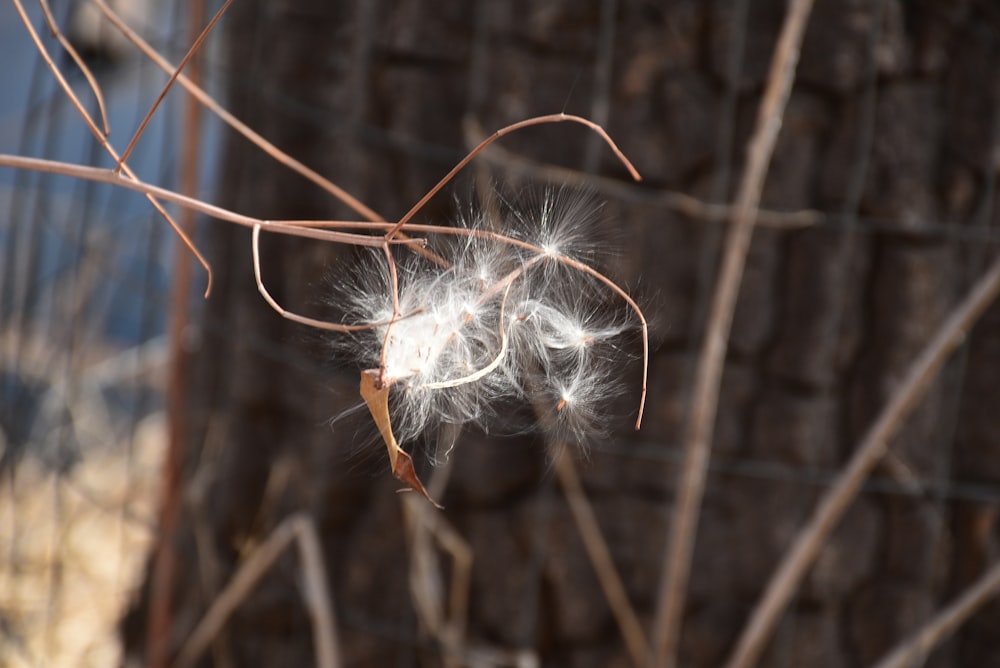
(513, 313)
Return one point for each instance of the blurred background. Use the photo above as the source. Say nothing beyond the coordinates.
(84, 294)
(121, 523)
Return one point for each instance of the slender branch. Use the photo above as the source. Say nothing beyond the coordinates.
(677, 558)
(981, 592)
(318, 229)
(50, 21)
(289, 227)
(56, 72)
(170, 82)
(870, 451)
(233, 122)
(674, 200)
(513, 127)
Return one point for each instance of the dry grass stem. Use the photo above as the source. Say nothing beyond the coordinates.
(443, 614)
(914, 650)
(698, 440)
(812, 536)
(53, 27)
(600, 557)
(301, 530)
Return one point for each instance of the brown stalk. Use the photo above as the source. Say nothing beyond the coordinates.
(164, 565)
(290, 227)
(677, 558)
(642, 321)
(312, 229)
(294, 317)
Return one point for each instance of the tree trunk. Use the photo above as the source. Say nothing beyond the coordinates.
(890, 132)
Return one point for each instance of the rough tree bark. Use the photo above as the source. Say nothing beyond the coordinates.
(891, 130)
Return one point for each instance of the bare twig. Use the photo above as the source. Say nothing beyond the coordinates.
(50, 21)
(308, 229)
(870, 451)
(677, 558)
(674, 200)
(316, 592)
(173, 77)
(513, 127)
(945, 622)
(600, 557)
(245, 130)
(284, 313)
(101, 136)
